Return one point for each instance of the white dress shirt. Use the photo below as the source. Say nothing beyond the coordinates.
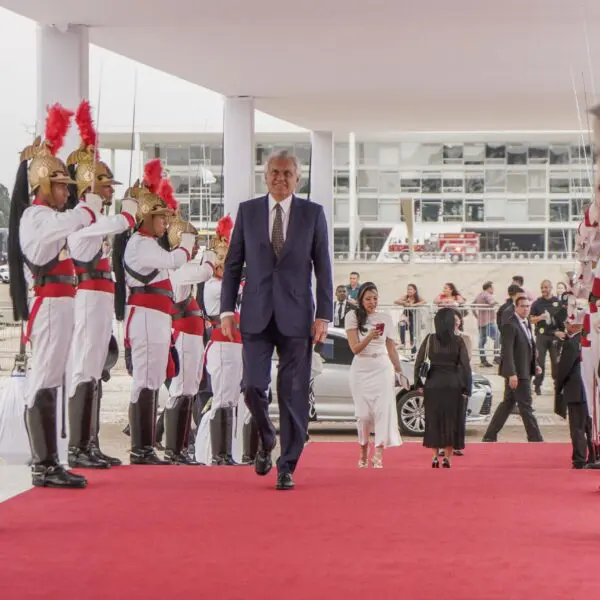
(339, 312)
(286, 206)
(525, 326)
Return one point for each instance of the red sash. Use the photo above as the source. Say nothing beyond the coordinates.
(161, 302)
(99, 284)
(186, 322)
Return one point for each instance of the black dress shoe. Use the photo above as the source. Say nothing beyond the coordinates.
(592, 465)
(285, 482)
(56, 476)
(263, 463)
(488, 440)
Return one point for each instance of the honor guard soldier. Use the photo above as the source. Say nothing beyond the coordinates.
(94, 302)
(150, 306)
(188, 330)
(37, 257)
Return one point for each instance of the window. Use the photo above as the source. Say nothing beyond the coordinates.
(341, 240)
(184, 211)
(516, 154)
(336, 350)
(474, 211)
(199, 153)
(495, 180)
(341, 209)
(368, 181)
(538, 154)
(537, 179)
(474, 154)
(580, 181)
(453, 154)
(580, 155)
(341, 154)
(453, 182)
(216, 189)
(367, 154)
(195, 208)
(341, 182)
(216, 212)
(303, 186)
(559, 155)
(389, 182)
(368, 208)
(517, 210)
(495, 209)
(559, 185)
(578, 206)
(216, 155)
(389, 155)
(390, 211)
(558, 240)
(432, 182)
(259, 184)
(536, 209)
(262, 153)
(452, 210)
(516, 183)
(178, 156)
(413, 153)
(559, 212)
(302, 153)
(431, 210)
(410, 182)
(495, 153)
(475, 183)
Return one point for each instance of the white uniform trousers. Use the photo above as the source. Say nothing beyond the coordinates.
(224, 365)
(190, 349)
(149, 333)
(589, 364)
(51, 335)
(93, 328)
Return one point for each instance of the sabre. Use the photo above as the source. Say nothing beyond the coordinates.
(133, 127)
(97, 148)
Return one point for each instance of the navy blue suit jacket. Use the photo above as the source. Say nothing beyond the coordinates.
(280, 288)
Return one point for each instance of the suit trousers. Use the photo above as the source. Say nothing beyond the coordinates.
(546, 344)
(293, 382)
(578, 422)
(521, 396)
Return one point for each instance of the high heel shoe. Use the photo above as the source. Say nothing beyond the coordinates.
(377, 460)
(363, 463)
(435, 463)
(446, 463)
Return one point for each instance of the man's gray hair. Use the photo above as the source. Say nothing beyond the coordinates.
(285, 155)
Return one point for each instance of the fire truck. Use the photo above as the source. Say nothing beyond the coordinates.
(454, 246)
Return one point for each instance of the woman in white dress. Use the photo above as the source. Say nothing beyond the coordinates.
(372, 380)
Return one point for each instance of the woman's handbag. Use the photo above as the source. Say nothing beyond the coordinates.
(424, 370)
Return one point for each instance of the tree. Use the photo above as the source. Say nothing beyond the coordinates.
(4, 206)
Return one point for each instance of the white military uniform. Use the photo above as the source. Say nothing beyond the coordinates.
(225, 366)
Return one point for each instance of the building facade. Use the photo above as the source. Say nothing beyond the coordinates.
(521, 191)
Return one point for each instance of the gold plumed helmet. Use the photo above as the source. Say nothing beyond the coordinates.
(177, 227)
(86, 157)
(149, 203)
(220, 241)
(45, 167)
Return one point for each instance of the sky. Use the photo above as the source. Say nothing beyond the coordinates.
(163, 102)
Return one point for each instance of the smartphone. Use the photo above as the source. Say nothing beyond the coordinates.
(380, 327)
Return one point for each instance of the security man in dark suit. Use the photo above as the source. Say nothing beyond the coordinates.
(570, 395)
(517, 366)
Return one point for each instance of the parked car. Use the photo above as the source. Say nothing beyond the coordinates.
(4, 275)
(333, 400)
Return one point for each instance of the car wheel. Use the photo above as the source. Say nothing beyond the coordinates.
(411, 414)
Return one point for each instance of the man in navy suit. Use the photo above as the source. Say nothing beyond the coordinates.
(281, 239)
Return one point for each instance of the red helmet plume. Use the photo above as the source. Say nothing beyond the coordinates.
(166, 192)
(224, 227)
(153, 174)
(57, 125)
(85, 124)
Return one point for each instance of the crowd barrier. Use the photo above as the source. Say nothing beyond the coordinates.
(412, 324)
(515, 256)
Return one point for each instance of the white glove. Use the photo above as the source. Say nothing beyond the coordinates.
(187, 242)
(209, 257)
(94, 202)
(129, 206)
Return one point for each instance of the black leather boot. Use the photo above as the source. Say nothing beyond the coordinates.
(217, 441)
(81, 407)
(46, 470)
(249, 442)
(142, 423)
(177, 424)
(228, 435)
(95, 442)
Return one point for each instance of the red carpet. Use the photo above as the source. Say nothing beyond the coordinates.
(508, 521)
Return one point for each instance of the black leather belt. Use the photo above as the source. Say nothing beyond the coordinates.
(146, 289)
(66, 279)
(187, 313)
(94, 275)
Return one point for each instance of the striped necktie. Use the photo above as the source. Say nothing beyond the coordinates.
(277, 234)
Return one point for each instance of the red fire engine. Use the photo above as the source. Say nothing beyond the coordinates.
(454, 245)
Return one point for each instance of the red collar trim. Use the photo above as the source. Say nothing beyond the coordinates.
(146, 233)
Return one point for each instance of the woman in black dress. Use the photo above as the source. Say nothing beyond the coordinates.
(447, 386)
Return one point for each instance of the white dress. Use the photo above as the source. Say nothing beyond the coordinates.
(372, 384)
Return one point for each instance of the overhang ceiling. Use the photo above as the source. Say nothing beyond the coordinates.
(372, 65)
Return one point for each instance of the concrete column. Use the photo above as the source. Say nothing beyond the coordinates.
(62, 74)
(353, 221)
(238, 152)
(321, 185)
